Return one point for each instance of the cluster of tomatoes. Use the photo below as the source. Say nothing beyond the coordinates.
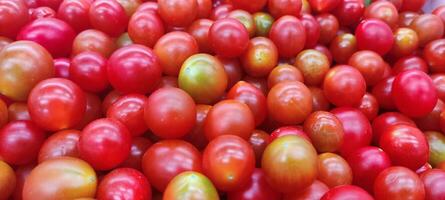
(222, 99)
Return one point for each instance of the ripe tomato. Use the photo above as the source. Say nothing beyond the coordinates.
(312, 29)
(124, 183)
(7, 180)
(259, 140)
(228, 29)
(406, 42)
(288, 34)
(130, 6)
(370, 64)
(93, 40)
(328, 27)
(315, 191)
(434, 55)
(325, 131)
(387, 120)
(14, 15)
(252, 97)
(288, 130)
(88, 70)
(342, 81)
(18, 111)
(314, 65)
(145, 28)
(428, 27)
(55, 104)
(139, 146)
(374, 35)
(93, 110)
(256, 189)
(41, 12)
(199, 29)
(383, 10)
(349, 12)
(3, 113)
(431, 122)
(62, 67)
(68, 178)
(333, 170)
(178, 12)
(190, 185)
(179, 156)
(260, 57)
(369, 106)
(129, 109)
(245, 18)
(62, 143)
(342, 47)
(319, 101)
(436, 143)
(196, 135)
(409, 62)
(346, 192)
(398, 183)
(290, 164)
(321, 6)
(382, 91)
(107, 139)
(284, 73)
(433, 180)
(21, 173)
(233, 69)
(250, 6)
(108, 16)
(75, 13)
(279, 8)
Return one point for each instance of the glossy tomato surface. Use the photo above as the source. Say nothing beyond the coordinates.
(398, 183)
(191, 185)
(124, 183)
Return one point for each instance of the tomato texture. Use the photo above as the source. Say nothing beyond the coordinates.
(63, 143)
(89, 71)
(178, 12)
(342, 81)
(325, 131)
(108, 16)
(7, 179)
(228, 29)
(346, 192)
(257, 188)
(14, 15)
(288, 34)
(398, 183)
(93, 40)
(252, 97)
(129, 109)
(374, 35)
(124, 183)
(191, 185)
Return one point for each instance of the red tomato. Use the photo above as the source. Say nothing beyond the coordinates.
(259, 140)
(312, 29)
(321, 6)
(62, 143)
(315, 191)
(435, 56)
(346, 192)
(383, 10)
(178, 12)
(369, 106)
(75, 13)
(314, 65)
(325, 131)
(62, 68)
(428, 27)
(260, 57)
(342, 47)
(232, 30)
(221, 11)
(256, 189)
(374, 35)
(134, 69)
(93, 40)
(279, 8)
(55, 104)
(139, 146)
(413, 5)
(145, 28)
(107, 139)
(190, 184)
(41, 12)
(18, 111)
(288, 130)
(289, 35)
(328, 27)
(108, 16)
(13, 16)
(342, 81)
(252, 97)
(433, 180)
(204, 8)
(129, 109)
(196, 135)
(251, 6)
(3, 113)
(93, 110)
(439, 82)
(370, 64)
(245, 18)
(431, 122)
(349, 12)
(409, 62)
(382, 91)
(7, 180)
(199, 29)
(319, 101)
(170, 113)
(229, 162)
(333, 170)
(398, 183)
(21, 173)
(89, 71)
(387, 120)
(284, 73)
(124, 183)
(233, 69)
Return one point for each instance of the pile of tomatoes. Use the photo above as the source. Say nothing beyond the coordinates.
(222, 99)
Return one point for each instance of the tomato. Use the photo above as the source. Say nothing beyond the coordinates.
(370, 64)
(108, 16)
(284, 73)
(319, 101)
(382, 91)
(314, 65)
(398, 183)
(21, 173)
(14, 15)
(325, 131)
(259, 83)
(199, 29)
(130, 6)
(173, 49)
(41, 12)
(145, 28)
(349, 12)
(244, 18)
(124, 40)
(228, 29)
(433, 179)
(259, 140)
(321, 6)
(110, 99)
(4, 41)
(289, 35)
(107, 139)
(374, 35)
(204, 8)
(93, 110)
(68, 178)
(440, 12)
(124, 183)
(414, 5)
(252, 97)
(329, 26)
(62, 67)
(256, 189)
(436, 142)
(178, 12)
(18, 111)
(203, 77)
(249, 5)
(346, 192)
(26, 63)
(93, 40)
(75, 13)
(387, 120)
(406, 42)
(325, 51)
(434, 55)
(342, 81)
(312, 29)
(228, 161)
(406, 18)
(428, 27)
(342, 47)
(279, 8)
(7, 180)
(233, 69)
(409, 62)
(263, 22)
(4, 114)
(333, 170)
(129, 109)
(439, 80)
(62, 143)
(139, 146)
(369, 106)
(196, 135)
(190, 185)
(134, 69)
(405, 145)
(88, 70)
(414, 93)
(288, 130)
(221, 11)
(383, 10)
(50, 109)
(431, 122)
(315, 191)
(290, 164)
(260, 57)
(289, 102)
(366, 163)
(168, 106)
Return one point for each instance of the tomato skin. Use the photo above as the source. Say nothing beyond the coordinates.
(342, 47)
(221, 11)
(62, 143)
(7, 180)
(21, 173)
(244, 18)
(260, 57)
(383, 10)
(263, 22)
(284, 73)
(228, 161)
(228, 29)
(196, 135)
(178, 12)
(199, 29)
(252, 97)
(410, 62)
(398, 183)
(283, 166)
(436, 142)
(387, 120)
(190, 185)
(173, 49)
(434, 56)
(325, 131)
(314, 65)
(428, 27)
(75, 13)
(312, 29)
(431, 122)
(256, 189)
(259, 140)
(145, 28)
(366, 163)
(370, 64)
(93, 40)
(288, 130)
(41, 12)
(289, 35)
(315, 191)
(88, 70)
(49, 108)
(289, 102)
(433, 179)
(128, 75)
(4, 114)
(414, 93)
(129, 110)
(341, 81)
(249, 6)
(412, 5)
(233, 69)
(107, 139)
(62, 68)
(346, 192)
(108, 16)
(93, 110)
(374, 35)
(349, 12)
(333, 170)
(139, 146)
(124, 183)
(369, 106)
(319, 101)
(168, 106)
(60, 178)
(406, 42)
(14, 15)
(329, 26)
(382, 91)
(279, 8)
(26, 63)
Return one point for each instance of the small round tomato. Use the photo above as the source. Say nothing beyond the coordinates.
(124, 183)
(289, 35)
(256, 189)
(110, 99)
(259, 140)
(290, 164)
(75, 13)
(263, 22)
(41, 12)
(433, 180)
(428, 27)
(439, 82)
(139, 146)
(228, 161)
(333, 170)
(134, 69)
(62, 143)
(324, 50)
(435, 56)
(349, 12)
(289, 102)
(168, 81)
(107, 139)
(93, 40)
(382, 91)
(123, 40)
(319, 101)
(130, 6)
(18, 111)
(279, 8)
(414, 93)
(410, 62)
(190, 184)
(203, 77)
(321, 6)
(284, 73)
(108, 16)
(204, 8)
(232, 30)
(387, 120)
(68, 178)
(344, 81)
(173, 49)
(398, 183)
(62, 68)
(89, 70)
(197, 136)
(179, 155)
(406, 42)
(14, 15)
(314, 65)
(405, 145)
(383, 10)
(374, 35)
(199, 29)
(431, 121)
(129, 109)
(178, 12)
(259, 83)
(50, 109)
(329, 26)
(248, 5)
(288, 130)
(92, 111)
(325, 131)
(25, 63)
(436, 142)
(342, 47)
(7, 180)
(315, 191)
(369, 106)
(170, 113)
(370, 64)
(312, 29)
(346, 192)
(233, 69)
(145, 28)
(260, 57)
(221, 11)
(245, 18)
(252, 97)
